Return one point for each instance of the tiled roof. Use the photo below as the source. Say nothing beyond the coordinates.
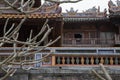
(30, 16)
(84, 19)
(116, 14)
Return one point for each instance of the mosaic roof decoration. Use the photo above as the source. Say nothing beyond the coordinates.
(72, 11)
(90, 13)
(49, 7)
(114, 8)
(48, 10)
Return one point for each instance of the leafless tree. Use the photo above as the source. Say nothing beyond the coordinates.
(64, 1)
(11, 36)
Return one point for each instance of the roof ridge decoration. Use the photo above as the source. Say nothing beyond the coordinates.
(49, 7)
(113, 8)
(71, 11)
(90, 13)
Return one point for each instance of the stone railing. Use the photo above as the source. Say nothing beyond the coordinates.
(65, 60)
(72, 56)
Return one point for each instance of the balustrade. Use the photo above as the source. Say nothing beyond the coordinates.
(87, 41)
(86, 60)
(117, 39)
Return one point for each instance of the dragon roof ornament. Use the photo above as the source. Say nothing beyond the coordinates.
(50, 7)
(72, 11)
(113, 8)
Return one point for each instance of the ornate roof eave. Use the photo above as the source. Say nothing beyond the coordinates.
(32, 16)
(116, 14)
(94, 19)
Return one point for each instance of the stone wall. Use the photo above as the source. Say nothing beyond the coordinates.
(76, 73)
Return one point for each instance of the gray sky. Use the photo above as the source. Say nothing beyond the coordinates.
(86, 4)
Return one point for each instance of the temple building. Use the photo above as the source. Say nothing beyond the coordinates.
(88, 38)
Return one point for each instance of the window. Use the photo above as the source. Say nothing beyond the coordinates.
(37, 57)
(106, 35)
(77, 35)
(68, 35)
(92, 34)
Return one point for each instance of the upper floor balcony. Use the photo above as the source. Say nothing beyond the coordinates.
(117, 39)
(94, 42)
(87, 42)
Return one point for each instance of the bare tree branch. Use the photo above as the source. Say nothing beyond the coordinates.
(105, 72)
(97, 75)
(107, 76)
(6, 8)
(64, 1)
(29, 47)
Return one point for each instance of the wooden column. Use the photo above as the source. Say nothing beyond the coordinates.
(62, 24)
(119, 29)
(56, 32)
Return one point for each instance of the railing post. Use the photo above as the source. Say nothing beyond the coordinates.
(53, 60)
(82, 60)
(101, 60)
(58, 60)
(77, 60)
(68, 60)
(116, 60)
(63, 60)
(72, 60)
(87, 60)
(106, 61)
(97, 60)
(111, 60)
(92, 60)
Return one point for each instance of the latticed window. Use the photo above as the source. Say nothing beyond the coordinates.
(92, 34)
(68, 35)
(106, 37)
